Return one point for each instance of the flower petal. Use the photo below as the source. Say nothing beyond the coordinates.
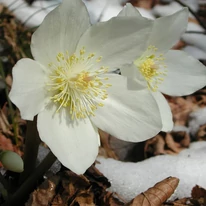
(130, 10)
(134, 75)
(60, 31)
(167, 30)
(165, 111)
(119, 41)
(185, 74)
(28, 88)
(176, 24)
(130, 115)
(74, 143)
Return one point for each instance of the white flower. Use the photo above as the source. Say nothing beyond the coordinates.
(170, 72)
(69, 88)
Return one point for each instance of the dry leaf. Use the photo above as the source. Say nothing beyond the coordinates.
(44, 194)
(111, 200)
(84, 198)
(156, 195)
(105, 149)
(198, 192)
(201, 134)
(180, 202)
(154, 146)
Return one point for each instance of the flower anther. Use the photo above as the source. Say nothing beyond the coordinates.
(152, 67)
(74, 83)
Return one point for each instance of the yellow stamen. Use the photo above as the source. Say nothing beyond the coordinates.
(74, 84)
(152, 67)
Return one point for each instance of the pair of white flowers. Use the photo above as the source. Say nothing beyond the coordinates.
(71, 87)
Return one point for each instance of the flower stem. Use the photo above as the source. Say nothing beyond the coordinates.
(4, 182)
(28, 186)
(31, 150)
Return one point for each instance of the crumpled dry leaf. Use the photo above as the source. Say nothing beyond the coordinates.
(4, 124)
(157, 194)
(201, 134)
(199, 195)
(167, 143)
(44, 194)
(198, 98)
(105, 149)
(179, 202)
(181, 108)
(68, 188)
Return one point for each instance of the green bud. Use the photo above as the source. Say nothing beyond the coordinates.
(12, 161)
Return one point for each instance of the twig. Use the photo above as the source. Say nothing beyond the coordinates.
(196, 32)
(192, 12)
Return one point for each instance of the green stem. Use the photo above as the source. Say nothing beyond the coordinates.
(31, 150)
(4, 182)
(30, 183)
(14, 123)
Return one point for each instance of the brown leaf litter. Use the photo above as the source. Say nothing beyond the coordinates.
(90, 189)
(67, 188)
(157, 194)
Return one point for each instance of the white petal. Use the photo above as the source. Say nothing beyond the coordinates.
(130, 10)
(185, 74)
(173, 27)
(28, 88)
(74, 143)
(119, 41)
(167, 30)
(135, 76)
(128, 115)
(60, 31)
(165, 111)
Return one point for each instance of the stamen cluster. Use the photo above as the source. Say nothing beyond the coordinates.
(75, 84)
(152, 67)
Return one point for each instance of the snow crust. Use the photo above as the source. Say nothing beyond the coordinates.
(130, 179)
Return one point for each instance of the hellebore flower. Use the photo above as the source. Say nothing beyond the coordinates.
(170, 72)
(69, 86)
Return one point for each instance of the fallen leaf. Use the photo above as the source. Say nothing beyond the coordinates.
(44, 194)
(198, 192)
(156, 195)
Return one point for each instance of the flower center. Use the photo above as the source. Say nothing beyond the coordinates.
(74, 83)
(152, 67)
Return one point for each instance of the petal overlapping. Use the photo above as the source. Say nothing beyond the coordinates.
(173, 26)
(28, 88)
(165, 111)
(185, 74)
(130, 115)
(134, 75)
(118, 41)
(60, 31)
(74, 143)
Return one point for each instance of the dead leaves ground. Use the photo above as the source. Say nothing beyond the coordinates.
(67, 188)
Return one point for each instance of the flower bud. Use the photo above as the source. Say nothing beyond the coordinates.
(11, 161)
